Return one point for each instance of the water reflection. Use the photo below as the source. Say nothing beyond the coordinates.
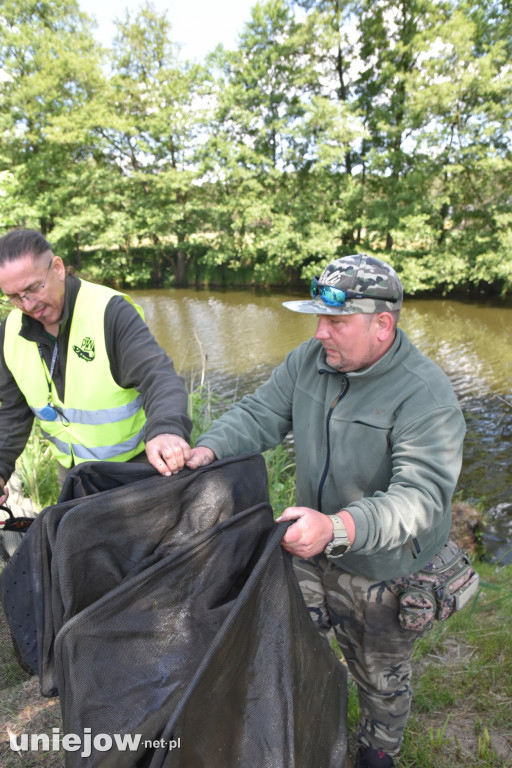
(239, 336)
(235, 331)
(471, 342)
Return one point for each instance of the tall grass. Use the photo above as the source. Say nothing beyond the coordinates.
(206, 406)
(37, 471)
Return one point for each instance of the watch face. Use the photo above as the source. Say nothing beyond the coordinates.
(338, 550)
(339, 544)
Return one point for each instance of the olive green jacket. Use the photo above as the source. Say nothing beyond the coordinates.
(384, 443)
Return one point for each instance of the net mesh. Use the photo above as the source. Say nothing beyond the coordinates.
(165, 609)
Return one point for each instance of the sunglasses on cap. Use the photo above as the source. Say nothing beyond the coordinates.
(335, 297)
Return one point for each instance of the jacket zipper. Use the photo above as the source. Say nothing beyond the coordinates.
(333, 405)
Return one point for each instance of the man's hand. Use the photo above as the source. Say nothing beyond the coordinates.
(309, 534)
(168, 453)
(200, 457)
(4, 492)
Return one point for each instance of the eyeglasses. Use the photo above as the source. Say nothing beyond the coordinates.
(335, 297)
(32, 293)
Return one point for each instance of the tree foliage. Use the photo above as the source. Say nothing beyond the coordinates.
(333, 126)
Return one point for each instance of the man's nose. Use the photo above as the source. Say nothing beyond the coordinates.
(322, 328)
(24, 300)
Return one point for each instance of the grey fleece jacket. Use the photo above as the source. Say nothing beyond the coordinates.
(384, 443)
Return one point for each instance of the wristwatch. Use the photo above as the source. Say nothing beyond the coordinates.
(340, 543)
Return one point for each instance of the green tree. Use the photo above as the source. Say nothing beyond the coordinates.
(275, 149)
(430, 177)
(148, 133)
(50, 67)
(391, 32)
(258, 99)
(334, 125)
(464, 90)
(336, 117)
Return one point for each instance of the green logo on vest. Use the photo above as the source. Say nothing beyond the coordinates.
(86, 351)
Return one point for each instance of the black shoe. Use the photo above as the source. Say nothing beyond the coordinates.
(367, 757)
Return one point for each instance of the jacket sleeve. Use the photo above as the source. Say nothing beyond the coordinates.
(138, 361)
(259, 421)
(16, 418)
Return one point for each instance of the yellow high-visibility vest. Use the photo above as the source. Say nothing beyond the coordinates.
(98, 420)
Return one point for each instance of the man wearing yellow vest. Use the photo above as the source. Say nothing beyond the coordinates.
(79, 358)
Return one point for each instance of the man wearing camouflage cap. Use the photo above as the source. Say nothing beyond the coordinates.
(378, 439)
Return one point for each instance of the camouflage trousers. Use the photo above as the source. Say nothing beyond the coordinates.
(378, 652)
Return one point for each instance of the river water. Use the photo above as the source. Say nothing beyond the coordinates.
(235, 338)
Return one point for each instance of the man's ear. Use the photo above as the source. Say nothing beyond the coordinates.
(58, 266)
(385, 325)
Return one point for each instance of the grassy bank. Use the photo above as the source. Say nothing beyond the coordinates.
(462, 706)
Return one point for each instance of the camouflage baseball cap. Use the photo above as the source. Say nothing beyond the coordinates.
(351, 285)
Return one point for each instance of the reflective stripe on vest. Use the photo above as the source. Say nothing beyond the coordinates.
(102, 416)
(102, 421)
(105, 453)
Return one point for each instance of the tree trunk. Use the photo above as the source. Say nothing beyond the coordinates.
(179, 271)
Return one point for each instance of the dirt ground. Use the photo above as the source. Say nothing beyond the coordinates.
(24, 710)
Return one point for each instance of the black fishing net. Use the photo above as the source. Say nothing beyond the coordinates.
(165, 610)
(13, 526)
